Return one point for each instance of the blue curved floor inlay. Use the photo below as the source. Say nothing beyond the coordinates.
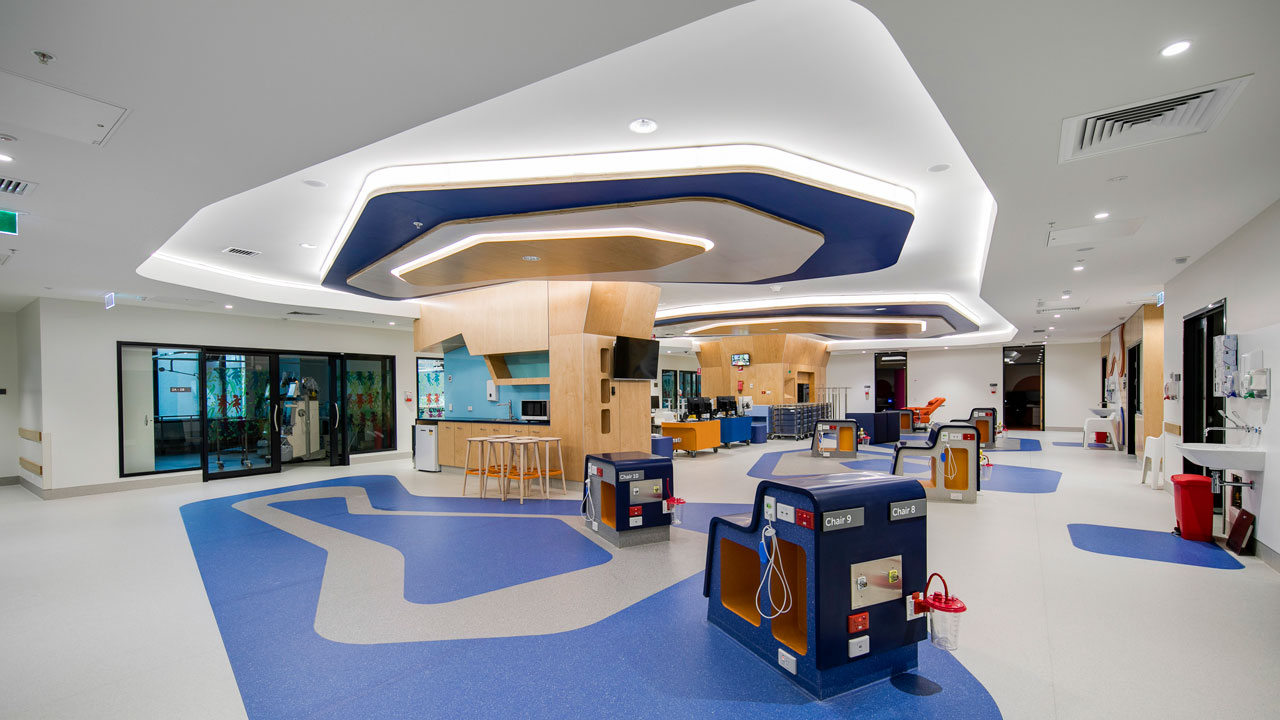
(513, 560)
(1018, 479)
(1024, 445)
(1103, 446)
(658, 658)
(1150, 545)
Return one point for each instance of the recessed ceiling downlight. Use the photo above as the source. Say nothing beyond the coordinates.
(308, 246)
(1102, 215)
(643, 126)
(315, 183)
(531, 258)
(5, 158)
(940, 167)
(1176, 48)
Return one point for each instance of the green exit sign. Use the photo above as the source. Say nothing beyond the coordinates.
(8, 222)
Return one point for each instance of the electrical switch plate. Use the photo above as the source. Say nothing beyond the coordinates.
(786, 512)
(859, 623)
(788, 661)
(804, 518)
(595, 526)
(859, 646)
(769, 511)
(637, 521)
(957, 496)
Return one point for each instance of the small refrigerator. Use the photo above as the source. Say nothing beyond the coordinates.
(426, 448)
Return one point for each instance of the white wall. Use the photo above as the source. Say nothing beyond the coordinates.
(1243, 270)
(12, 399)
(78, 357)
(856, 371)
(1072, 384)
(962, 376)
(30, 396)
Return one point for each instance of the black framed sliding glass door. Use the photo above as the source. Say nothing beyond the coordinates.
(241, 413)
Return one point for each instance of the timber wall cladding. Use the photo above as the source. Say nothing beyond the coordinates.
(777, 362)
(576, 323)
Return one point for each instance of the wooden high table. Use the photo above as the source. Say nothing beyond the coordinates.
(693, 436)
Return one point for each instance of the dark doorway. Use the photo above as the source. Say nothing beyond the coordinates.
(1134, 378)
(1024, 387)
(891, 381)
(1200, 407)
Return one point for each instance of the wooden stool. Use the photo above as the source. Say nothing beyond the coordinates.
(547, 472)
(479, 469)
(495, 464)
(522, 473)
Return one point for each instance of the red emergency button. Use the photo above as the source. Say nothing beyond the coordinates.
(859, 623)
(636, 510)
(804, 518)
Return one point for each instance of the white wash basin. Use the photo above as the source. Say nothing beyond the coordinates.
(1224, 457)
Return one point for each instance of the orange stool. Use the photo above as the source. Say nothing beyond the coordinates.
(519, 467)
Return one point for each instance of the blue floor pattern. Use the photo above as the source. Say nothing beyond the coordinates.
(658, 658)
(1018, 479)
(1024, 445)
(1103, 446)
(1003, 478)
(1150, 545)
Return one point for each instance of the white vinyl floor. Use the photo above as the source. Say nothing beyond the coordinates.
(103, 613)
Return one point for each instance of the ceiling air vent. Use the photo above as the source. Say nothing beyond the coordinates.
(1119, 128)
(241, 252)
(299, 313)
(10, 186)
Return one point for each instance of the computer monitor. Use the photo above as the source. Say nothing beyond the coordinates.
(727, 404)
(699, 406)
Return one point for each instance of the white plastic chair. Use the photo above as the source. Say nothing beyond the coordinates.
(1153, 460)
(1102, 424)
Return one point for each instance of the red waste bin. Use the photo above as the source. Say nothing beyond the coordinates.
(1193, 506)
(1101, 438)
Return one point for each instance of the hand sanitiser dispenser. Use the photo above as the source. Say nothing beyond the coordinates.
(822, 578)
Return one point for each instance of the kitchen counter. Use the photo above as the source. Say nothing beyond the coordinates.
(454, 432)
(427, 421)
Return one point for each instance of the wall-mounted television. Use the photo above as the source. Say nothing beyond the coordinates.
(635, 359)
(740, 359)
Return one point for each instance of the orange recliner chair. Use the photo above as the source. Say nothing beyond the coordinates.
(921, 415)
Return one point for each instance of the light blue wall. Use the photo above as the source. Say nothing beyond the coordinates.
(465, 377)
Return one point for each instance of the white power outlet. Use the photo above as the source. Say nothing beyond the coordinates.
(769, 513)
(787, 661)
(786, 512)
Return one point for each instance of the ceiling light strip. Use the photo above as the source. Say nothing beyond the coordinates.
(815, 301)
(810, 318)
(532, 236)
(618, 165)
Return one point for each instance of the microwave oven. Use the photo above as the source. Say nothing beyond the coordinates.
(534, 410)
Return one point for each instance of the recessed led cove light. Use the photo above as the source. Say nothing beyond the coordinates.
(531, 258)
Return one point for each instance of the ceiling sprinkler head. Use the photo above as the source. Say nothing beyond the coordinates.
(43, 57)
(417, 224)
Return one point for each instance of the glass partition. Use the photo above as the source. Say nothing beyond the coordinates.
(159, 411)
(431, 401)
(369, 384)
(242, 423)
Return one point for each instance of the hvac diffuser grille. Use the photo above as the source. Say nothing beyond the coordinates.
(299, 313)
(1042, 311)
(1119, 128)
(10, 186)
(241, 252)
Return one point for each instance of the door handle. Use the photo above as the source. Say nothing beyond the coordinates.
(275, 418)
(146, 419)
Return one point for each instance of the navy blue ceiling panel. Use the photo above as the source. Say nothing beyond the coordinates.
(961, 323)
(859, 236)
